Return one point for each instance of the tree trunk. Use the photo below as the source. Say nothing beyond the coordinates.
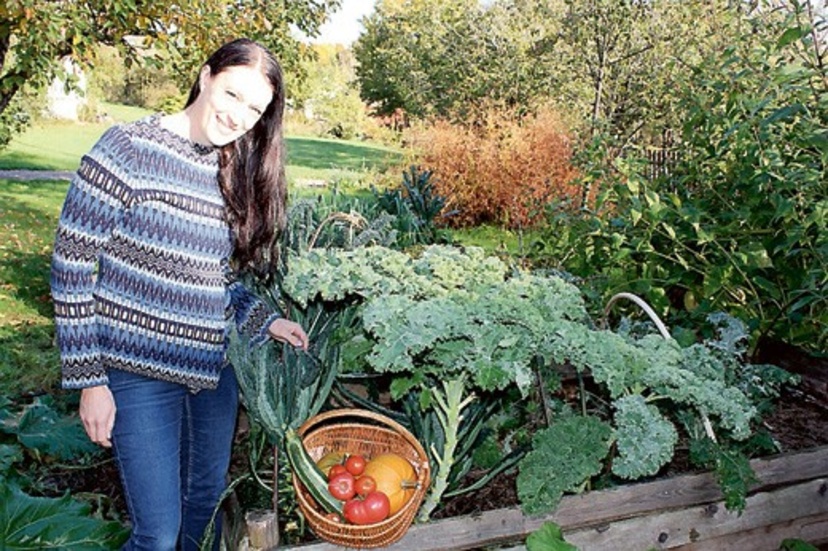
(9, 91)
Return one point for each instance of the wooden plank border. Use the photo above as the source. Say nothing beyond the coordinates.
(597, 511)
(768, 518)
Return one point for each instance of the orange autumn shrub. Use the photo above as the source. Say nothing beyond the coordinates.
(500, 169)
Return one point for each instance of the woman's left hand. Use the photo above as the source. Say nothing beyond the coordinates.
(290, 332)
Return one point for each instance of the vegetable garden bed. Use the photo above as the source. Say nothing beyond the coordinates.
(682, 512)
(451, 334)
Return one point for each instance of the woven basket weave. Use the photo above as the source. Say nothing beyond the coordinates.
(366, 433)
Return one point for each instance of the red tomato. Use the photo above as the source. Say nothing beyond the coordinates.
(377, 507)
(335, 470)
(342, 486)
(354, 511)
(365, 485)
(355, 464)
(374, 508)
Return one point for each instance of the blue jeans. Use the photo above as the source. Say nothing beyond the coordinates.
(173, 451)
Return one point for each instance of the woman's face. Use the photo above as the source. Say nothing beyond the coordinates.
(230, 103)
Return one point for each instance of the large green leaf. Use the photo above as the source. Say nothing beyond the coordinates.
(645, 438)
(548, 538)
(39, 523)
(44, 429)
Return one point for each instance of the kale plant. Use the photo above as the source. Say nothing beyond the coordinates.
(453, 324)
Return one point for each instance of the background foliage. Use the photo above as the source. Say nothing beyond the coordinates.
(738, 224)
(500, 167)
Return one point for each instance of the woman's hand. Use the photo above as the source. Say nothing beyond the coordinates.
(97, 412)
(290, 332)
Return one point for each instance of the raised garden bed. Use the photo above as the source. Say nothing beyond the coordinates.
(678, 511)
(682, 512)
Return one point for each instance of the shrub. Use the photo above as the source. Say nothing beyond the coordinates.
(416, 208)
(501, 168)
(13, 121)
(738, 225)
(107, 75)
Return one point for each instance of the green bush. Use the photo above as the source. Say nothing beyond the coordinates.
(740, 223)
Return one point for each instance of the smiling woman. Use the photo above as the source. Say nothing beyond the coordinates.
(229, 105)
(160, 221)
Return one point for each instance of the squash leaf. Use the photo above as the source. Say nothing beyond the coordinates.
(36, 523)
(548, 538)
(42, 428)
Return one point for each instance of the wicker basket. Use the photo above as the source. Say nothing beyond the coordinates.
(366, 433)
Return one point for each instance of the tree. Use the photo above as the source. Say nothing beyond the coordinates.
(612, 65)
(328, 94)
(36, 34)
(413, 55)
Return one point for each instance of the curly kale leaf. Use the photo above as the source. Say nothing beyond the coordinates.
(371, 272)
(563, 457)
(644, 437)
(731, 467)
(454, 268)
(493, 334)
(335, 274)
(612, 360)
(405, 334)
(675, 374)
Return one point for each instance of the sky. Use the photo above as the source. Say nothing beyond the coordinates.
(343, 26)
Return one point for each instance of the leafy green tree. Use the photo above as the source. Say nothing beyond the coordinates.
(412, 54)
(616, 63)
(328, 94)
(432, 57)
(36, 34)
(613, 65)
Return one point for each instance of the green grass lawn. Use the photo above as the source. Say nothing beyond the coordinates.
(29, 213)
(54, 145)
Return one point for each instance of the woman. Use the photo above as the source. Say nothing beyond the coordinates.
(161, 217)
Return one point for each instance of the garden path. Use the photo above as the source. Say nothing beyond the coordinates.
(36, 174)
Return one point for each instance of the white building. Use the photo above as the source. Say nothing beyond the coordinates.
(63, 105)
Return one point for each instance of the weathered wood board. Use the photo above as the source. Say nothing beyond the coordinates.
(683, 513)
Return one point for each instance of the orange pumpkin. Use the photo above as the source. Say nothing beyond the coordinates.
(395, 477)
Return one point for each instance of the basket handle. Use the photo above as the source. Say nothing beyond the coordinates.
(708, 426)
(363, 414)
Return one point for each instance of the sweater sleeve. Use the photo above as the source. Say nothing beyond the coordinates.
(95, 202)
(251, 314)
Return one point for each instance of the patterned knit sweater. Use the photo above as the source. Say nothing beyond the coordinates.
(140, 273)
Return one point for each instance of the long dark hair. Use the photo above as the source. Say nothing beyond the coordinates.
(252, 169)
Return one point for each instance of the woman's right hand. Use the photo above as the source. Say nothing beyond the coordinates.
(97, 412)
